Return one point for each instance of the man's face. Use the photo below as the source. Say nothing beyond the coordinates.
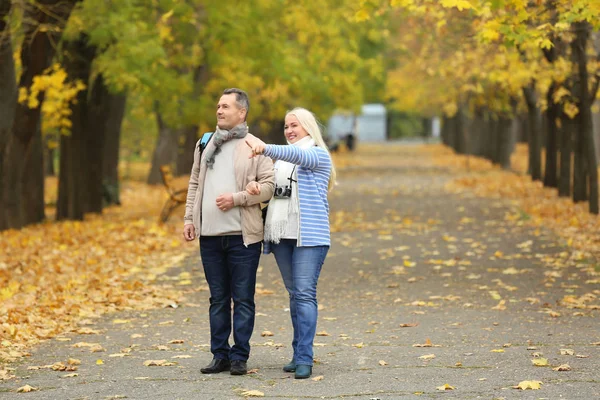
(229, 114)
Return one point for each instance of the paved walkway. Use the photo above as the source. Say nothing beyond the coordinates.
(420, 289)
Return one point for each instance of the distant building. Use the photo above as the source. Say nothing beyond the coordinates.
(371, 124)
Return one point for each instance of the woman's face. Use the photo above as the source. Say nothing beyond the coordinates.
(292, 130)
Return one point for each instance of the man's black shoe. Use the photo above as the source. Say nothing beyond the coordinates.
(216, 365)
(238, 367)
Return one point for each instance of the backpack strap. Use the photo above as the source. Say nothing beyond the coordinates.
(204, 141)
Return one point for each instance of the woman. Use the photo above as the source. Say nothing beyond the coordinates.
(297, 223)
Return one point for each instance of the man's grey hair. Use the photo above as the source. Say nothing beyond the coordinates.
(241, 98)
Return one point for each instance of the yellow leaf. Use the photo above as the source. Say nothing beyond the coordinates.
(26, 389)
(158, 363)
(563, 367)
(533, 385)
(99, 362)
(445, 387)
(540, 362)
(253, 393)
(382, 363)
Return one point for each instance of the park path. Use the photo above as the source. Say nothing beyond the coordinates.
(421, 289)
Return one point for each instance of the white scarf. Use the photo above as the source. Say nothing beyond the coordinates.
(280, 210)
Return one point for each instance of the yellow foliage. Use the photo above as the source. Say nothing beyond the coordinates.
(59, 94)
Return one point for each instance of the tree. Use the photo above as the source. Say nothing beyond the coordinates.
(37, 50)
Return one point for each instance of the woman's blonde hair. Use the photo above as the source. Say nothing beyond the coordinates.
(312, 126)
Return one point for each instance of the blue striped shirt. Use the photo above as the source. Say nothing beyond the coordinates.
(313, 180)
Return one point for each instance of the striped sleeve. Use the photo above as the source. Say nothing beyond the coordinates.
(307, 158)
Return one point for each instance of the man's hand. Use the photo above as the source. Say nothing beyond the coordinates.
(189, 232)
(225, 202)
(253, 188)
(257, 146)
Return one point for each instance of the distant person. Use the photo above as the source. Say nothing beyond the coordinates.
(228, 221)
(297, 224)
(351, 136)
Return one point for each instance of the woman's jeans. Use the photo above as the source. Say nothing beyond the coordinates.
(300, 268)
(230, 270)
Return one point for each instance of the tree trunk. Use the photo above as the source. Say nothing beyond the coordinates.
(580, 169)
(566, 151)
(478, 133)
(462, 141)
(98, 107)
(49, 154)
(552, 113)
(490, 148)
(445, 130)
(37, 51)
(505, 141)
(586, 133)
(534, 135)
(8, 95)
(110, 168)
(275, 134)
(33, 186)
(165, 152)
(552, 53)
(185, 156)
(76, 158)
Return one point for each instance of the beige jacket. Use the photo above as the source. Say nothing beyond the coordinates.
(246, 170)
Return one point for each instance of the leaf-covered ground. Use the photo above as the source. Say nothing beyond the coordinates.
(429, 287)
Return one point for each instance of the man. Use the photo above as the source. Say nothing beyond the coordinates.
(229, 222)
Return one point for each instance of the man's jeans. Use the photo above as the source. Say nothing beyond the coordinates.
(300, 268)
(230, 270)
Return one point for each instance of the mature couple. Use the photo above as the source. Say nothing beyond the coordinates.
(230, 177)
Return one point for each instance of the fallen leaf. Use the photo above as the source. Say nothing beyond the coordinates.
(563, 367)
(158, 363)
(177, 341)
(427, 344)
(445, 387)
(99, 362)
(266, 333)
(566, 352)
(323, 333)
(382, 363)
(26, 389)
(182, 356)
(70, 375)
(525, 385)
(540, 362)
(427, 357)
(412, 325)
(318, 378)
(253, 393)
